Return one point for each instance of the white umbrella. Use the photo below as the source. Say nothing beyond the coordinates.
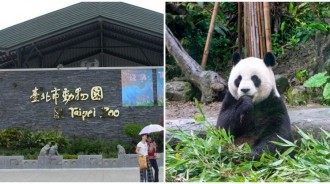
(151, 128)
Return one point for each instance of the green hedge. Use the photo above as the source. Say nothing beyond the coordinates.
(28, 143)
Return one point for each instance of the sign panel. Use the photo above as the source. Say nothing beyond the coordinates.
(137, 88)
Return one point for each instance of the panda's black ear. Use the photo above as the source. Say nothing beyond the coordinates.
(236, 58)
(269, 59)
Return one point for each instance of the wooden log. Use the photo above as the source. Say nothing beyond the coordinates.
(208, 82)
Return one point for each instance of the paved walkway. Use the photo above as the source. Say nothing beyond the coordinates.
(74, 175)
(305, 118)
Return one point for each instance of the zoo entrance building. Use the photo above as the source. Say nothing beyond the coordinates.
(85, 70)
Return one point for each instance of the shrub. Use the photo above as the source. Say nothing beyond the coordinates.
(11, 138)
(133, 130)
(320, 80)
(87, 146)
(69, 156)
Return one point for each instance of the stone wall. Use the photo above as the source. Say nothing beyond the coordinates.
(18, 111)
(83, 161)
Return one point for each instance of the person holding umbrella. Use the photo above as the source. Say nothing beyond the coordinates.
(142, 151)
(152, 157)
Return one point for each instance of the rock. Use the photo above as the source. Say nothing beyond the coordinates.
(327, 66)
(179, 91)
(282, 83)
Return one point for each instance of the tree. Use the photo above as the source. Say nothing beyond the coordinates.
(208, 82)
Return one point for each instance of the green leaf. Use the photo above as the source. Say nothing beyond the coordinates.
(200, 4)
(199, 118)
(199, 107)
(326, 91)
(219, 149)
(247, 148)
(244, 168)
(326, 133)
(288, 151)
(283, 26)
(279, 143)
(288, 142)
(276, 163)
(219, 30)
(317, 80)
(319, 26)
(291, 7)
(305, 136)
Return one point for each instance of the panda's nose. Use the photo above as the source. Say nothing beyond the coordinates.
(245, 90)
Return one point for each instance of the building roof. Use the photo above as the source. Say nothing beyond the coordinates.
(134, 17)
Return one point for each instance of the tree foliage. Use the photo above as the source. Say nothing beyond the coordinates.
(291, 23)
(190, 27)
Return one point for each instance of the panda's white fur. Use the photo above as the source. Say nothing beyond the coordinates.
(247, 68)
(260, 118)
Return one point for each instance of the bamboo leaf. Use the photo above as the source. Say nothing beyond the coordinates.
(199, 108)
(283, 26)
(305, 136)
(276, 163)
(288, 151)
(199, 118)
(326, 133)
(246, 167)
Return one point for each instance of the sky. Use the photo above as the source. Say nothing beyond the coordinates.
(17, 11)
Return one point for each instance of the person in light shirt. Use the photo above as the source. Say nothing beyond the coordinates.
(142, 150)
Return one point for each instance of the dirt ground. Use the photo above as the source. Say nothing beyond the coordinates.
(187, 110)
(181, 110)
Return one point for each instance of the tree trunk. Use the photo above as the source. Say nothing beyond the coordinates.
(209, 34)
(208, 82)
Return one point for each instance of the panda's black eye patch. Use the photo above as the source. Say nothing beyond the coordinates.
(238, 80)
(256, 80)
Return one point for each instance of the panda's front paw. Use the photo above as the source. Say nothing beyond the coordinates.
(253, 156)
(244, 105)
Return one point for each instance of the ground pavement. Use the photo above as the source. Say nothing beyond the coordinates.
(74, 175)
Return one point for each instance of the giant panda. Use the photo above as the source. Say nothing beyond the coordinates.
(252, 109)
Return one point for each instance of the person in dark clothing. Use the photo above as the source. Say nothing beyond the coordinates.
(152, 157)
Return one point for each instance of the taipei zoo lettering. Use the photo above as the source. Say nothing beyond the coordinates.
(65, 95)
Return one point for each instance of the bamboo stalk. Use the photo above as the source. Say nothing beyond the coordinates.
(246, 29)
(240, 28)
(267, 27)
(260, 25)
(209, 35)
(254, 28)
(262, 31)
